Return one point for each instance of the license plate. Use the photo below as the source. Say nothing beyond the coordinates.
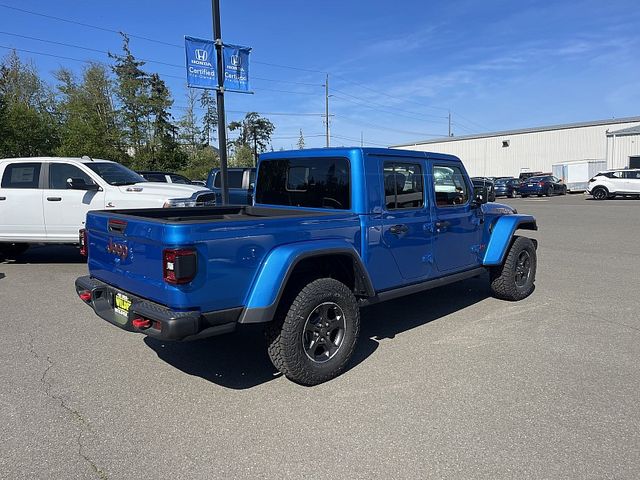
(121, 304)
(530, 185)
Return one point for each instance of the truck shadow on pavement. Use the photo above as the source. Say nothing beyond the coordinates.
(240, 361)
(43, 254)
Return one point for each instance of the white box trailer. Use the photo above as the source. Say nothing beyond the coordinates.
(576, 175)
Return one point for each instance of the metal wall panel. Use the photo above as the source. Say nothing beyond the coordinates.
(532, 151)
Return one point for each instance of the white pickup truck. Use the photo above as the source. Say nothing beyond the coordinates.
(46, 199)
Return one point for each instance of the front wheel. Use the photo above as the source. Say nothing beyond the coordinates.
(314, 339)
(600, 193)
(514, 279)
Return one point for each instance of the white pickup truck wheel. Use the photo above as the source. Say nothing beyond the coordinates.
(315, 339)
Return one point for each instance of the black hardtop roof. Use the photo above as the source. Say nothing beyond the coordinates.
(347, 151)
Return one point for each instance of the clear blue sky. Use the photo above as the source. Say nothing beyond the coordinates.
(395, 68)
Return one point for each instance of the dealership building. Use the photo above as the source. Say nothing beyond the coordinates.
(611, 143)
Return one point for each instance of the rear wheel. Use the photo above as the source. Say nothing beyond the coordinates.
(12, 250)
(524, 196)
(514, 279)
(312, 341)
(549, 192)
(600, 193)
(564, 190)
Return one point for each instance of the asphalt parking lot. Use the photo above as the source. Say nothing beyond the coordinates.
(445, 384)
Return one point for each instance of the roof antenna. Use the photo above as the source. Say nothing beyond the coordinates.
(87, 157)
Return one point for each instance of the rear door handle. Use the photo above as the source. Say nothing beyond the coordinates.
(54, 199)
(442, 225)
(398, 229)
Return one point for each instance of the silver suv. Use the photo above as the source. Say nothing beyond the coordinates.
(611, 183)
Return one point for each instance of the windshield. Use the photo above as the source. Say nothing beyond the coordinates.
(537, 179)
(504, 181)
(115, 174)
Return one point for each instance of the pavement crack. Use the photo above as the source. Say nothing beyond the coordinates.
(75, 414)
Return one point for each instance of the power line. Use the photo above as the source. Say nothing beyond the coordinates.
(340, 137)
(384, 110)
(88, 25)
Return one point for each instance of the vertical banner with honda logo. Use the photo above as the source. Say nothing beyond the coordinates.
(201, 65)
(236, 68)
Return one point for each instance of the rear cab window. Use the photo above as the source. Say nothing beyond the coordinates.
(319, 182)
(21, 175)
(234, 177)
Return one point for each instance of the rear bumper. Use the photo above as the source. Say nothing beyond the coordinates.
(158, 321)
(530, 191)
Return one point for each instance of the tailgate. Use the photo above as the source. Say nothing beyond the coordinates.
(127, 253)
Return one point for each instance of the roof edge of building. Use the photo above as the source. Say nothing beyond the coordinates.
(564, 126)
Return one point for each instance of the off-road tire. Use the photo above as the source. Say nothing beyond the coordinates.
(285, 333)
(503, 277)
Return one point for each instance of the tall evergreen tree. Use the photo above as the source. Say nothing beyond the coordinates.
(132, 92)
(255, 133)
(88, 120)
(190, 133)
(210, 116)
(301, 141)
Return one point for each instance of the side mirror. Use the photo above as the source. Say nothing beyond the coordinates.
(480, 195)
(80, 184)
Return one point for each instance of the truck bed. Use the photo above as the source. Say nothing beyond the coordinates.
(233, 213)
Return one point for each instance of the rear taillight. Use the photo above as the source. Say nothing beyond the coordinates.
(84, 245)
(541, 184)
(179, 265)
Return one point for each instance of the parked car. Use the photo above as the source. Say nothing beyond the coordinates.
(241, 185)
(506, 187)
(165, 177)
(524, 175)
(545, 185)
(612, 183)
(46, 199)
(331, 230)
(488, 184)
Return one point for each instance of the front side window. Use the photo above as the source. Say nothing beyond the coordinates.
(403, 185)
(21, 175)
(304, 182)
(60, 173)
(450, 186)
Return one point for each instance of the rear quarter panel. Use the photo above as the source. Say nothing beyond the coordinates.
(229, 254)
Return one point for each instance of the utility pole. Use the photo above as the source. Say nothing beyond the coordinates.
(361, 138)
(222, 131)
(449, 122)
(326, 108)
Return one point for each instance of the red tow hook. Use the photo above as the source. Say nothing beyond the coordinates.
(85, 296)
(141, 323)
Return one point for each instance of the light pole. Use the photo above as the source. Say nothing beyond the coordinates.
(222, 131)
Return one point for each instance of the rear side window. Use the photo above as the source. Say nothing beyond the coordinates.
(155, 177)
(21, 175)
(179, 179)
(403, 186)
(59, 173)
(450, 186)
(305, 182)
(234, 179)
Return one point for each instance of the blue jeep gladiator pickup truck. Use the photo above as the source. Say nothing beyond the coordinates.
(330, 230)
